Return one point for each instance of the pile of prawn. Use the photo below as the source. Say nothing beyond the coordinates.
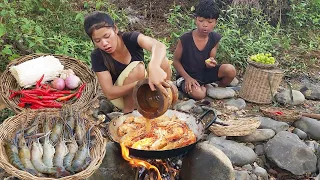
(52, 146)
(166, 133)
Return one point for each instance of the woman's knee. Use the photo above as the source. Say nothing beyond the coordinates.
(136, 73)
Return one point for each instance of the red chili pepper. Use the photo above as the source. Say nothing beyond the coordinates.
(80, 91)
(62, 92)
(278, 112)
(36, 92)
(36, 106)
(66, 98)
(13, 94)
(38, 83)
(29, 100)
(22, 104)
(48, 97)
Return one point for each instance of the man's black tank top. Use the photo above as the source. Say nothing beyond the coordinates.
(192, 59)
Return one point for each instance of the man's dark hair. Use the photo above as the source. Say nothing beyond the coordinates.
(207, 9)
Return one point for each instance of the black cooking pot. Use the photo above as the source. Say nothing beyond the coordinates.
(197, 125)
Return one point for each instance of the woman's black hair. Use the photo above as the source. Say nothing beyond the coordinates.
(208, 9)
(97, 20)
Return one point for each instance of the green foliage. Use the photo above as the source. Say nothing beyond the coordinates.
(244, 35)
(48, 26)
(5, 113)
(305, 13)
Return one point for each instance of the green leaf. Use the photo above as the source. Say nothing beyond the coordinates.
(2, 30)
(6, 51)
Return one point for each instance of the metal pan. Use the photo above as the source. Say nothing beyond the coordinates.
(197, 125)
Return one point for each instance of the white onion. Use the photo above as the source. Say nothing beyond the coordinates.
(72, 81)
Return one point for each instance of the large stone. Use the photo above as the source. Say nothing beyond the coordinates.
(242, 175)
(220, 92)
(239, 154)
(284, 97)
(206, 162)
(185, 105)
(258, 135)
(290, 153)
(309, 126)
(301, 134)
(261, 172)
(311, 91)
(113, 166)
(239, 103)
(268, 123)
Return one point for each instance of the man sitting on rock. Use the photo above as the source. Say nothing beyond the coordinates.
(194, 56)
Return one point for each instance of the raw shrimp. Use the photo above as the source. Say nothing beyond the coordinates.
(48, 152)
(70, 118)
(80, 130)
(12, 153)
(36, 159)
(61, 152)
(82, 154)
(33, 127)
(56, 131)
(25, 157)
(72, 148)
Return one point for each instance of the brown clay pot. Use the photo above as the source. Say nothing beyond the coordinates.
(152, 104)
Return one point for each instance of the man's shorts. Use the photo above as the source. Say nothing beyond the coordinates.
(210, 75)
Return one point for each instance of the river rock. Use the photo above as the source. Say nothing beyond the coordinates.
(113, 166)
(185, 105)
(261, 172)
(258, 135)
(234, 82)
(259, 149)
(285, 98)
(239, 154)
(311, 91)
(268, 123)
(310, 126)
(239, 103)
(247, 167)
(301, 134)
(290, 153)
(206, 162)
(220, 92)
(242, 175)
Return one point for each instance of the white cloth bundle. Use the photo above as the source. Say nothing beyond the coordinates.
(29, 72)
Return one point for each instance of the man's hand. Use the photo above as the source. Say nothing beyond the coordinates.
(211, 62)
(157, 77)
(189, 82)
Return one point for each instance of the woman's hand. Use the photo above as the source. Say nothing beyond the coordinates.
(157, 77)
(189, 82)
(211, 62)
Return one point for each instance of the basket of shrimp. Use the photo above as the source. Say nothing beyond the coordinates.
(50, 144)
(43, 81)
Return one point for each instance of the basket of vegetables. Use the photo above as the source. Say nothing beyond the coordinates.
(50, 144)
(281, 114)
(40, 81)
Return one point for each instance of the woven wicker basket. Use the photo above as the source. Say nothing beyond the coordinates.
(286, 115)
(260, 85)
(9, 127)
(240, 127)
(8, 82)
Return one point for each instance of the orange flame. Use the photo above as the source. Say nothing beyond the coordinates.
(137, 162)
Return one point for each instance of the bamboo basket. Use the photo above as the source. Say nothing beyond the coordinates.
(286, 116)
(8, 82)
(240, 127)
(259, 85)
(9, 127)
